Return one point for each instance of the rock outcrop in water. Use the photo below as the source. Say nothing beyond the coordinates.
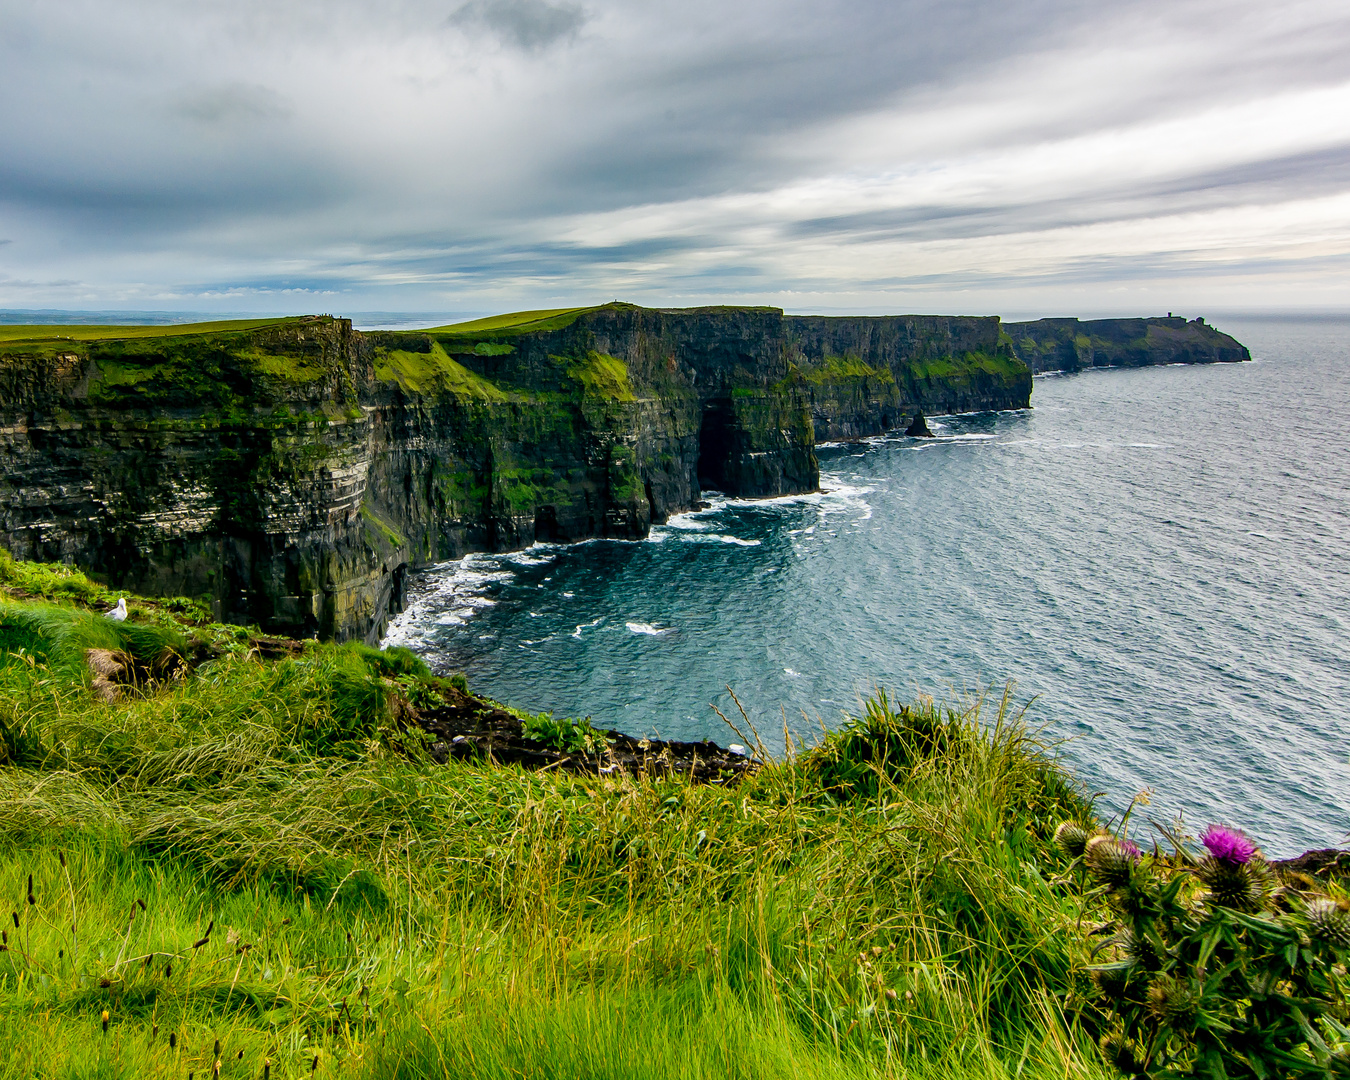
(1070, 345)
(291, 473)
(918, 427)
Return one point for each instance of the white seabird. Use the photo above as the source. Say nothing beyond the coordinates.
(119, 613)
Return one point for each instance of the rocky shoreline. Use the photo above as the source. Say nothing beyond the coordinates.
(470, 728)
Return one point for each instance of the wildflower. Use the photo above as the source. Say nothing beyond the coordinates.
(1122, 1052)
(1140, 950)
(1171, 1001)
(1113, 980)
(1071, 838)
(1328, 921)
(1228, 845)
(1110, 861)
(105, 1021)
(1241, 886)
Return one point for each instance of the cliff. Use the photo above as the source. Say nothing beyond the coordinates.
(1070, 345)
(290, 472)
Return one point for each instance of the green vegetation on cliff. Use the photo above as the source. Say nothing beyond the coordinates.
(839, 368)
(254, 862)
(67, 332)
(433, 371)
(517, 322)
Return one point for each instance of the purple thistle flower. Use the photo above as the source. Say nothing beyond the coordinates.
(1228, 845)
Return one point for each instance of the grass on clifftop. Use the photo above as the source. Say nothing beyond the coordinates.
(516, 322)
(83, 332)
(248, 866)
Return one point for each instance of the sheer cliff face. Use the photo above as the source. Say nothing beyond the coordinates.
(1070, 345)
(290, 474)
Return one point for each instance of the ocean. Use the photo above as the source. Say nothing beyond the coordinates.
(1159, 559)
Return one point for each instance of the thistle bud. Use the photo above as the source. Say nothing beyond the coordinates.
(1329, 922)
(1240, 886)
(1140, 950)
(1170, 1001)
(1113, 981)
(1071, 839)
(1122, 1052)
(1111, 862)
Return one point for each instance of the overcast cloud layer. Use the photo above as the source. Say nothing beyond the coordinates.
(1045, 156)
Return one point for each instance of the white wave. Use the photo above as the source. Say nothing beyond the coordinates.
(586, 626)
(648, 629)
(792, 674)
(719, 538)
(688, 520)
(446, 595)
(535, 555)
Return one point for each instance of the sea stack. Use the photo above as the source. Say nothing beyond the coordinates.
(918, 429)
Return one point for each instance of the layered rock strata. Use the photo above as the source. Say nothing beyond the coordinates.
(290, 474)
(1070, 345)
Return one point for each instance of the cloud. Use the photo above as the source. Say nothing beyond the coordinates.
(532, 25)
(868, 154)
(230, 105)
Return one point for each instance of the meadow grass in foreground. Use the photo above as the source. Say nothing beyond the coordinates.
(254, 872)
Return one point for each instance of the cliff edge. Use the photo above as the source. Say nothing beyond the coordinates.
(290, 472)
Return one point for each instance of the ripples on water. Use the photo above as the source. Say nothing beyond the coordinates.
(1159, 556)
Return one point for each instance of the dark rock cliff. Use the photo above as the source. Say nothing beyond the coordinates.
(868, 375)
(1070, 345)
(291, 473)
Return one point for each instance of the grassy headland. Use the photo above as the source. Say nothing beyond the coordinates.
(252, 861)
(22, 332)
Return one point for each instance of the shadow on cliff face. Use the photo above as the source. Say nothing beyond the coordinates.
(715, 442)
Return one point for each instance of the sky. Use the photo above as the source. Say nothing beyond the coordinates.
(1040, 157)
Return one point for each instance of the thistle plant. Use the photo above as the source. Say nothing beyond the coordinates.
(1212, 969)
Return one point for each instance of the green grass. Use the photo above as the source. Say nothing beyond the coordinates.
(880, 906)
(840, 368)
(598, 375)
(963, 367)
(433, 372)
(297, 369)
(80, 332)
(516, 322)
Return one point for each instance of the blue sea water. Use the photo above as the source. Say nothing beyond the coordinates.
(1159, 557)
